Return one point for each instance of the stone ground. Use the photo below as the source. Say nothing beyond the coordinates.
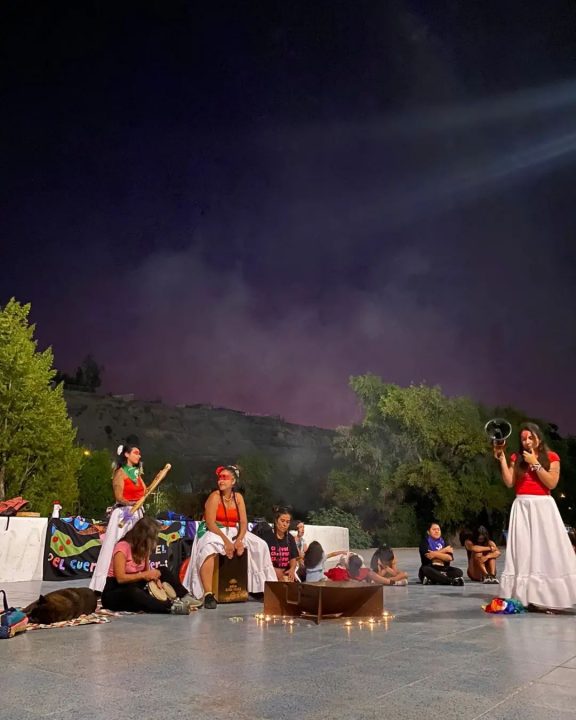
(439, 657)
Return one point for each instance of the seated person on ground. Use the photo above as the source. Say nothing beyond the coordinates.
(357, 571)
(354, 570)
(383, 563)
(283, 550)
(314, 562)
(300, 541)
(436, 557)
(482, 554)
(130, 574)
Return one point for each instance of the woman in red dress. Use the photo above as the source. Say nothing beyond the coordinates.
(540, 567)
(128, 487)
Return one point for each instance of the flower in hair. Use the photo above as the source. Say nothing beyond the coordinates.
(120, 449)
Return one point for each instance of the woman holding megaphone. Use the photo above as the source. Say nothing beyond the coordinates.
(540, 567)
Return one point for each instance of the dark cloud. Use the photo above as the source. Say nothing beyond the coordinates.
(246, 209)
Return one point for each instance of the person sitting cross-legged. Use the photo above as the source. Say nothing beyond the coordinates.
(436, 558)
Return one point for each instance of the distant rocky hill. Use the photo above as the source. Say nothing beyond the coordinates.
(197, 438)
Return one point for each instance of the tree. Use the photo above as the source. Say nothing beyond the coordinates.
(86, 378)
(94, 484)
(88, 375)
(255, 478)
(415, 447)
(38, 457)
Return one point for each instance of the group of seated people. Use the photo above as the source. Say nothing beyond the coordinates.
(273, 554)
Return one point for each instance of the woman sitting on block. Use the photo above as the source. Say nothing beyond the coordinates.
(225, 533)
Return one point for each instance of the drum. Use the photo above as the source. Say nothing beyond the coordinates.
(162, 592)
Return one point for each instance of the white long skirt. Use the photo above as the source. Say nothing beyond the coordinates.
(260, 566)
(540, 567)
(113, 534)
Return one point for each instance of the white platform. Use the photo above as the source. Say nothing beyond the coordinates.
(21, 548)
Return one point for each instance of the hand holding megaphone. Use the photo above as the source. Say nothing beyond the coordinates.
(498, 431)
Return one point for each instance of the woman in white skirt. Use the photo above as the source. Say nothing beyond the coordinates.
(540, 567)
(226, 534)
(128, 487)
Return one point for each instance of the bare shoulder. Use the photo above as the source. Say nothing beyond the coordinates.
(118, 475)
(213, 498)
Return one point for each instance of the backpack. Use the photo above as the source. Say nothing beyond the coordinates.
(12, 620)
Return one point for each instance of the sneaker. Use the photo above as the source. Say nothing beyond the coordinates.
(487, 580)
(179, 608)
(459, 582)
(426, 581)
(400, 583)
(494, 580)
(210, 602)
(191, 601)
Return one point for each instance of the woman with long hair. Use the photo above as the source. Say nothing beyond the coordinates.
(128, 487)
(283, 551)
(130, 574)
(225, 533)
(482, 555)
(540, 566)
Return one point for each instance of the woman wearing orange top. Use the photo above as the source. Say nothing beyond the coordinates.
(128, 487)
(540, 566)
(225, 533)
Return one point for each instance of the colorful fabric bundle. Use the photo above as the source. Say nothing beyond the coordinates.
(504, 606)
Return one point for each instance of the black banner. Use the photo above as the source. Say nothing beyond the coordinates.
(72, 549)
(73, 545)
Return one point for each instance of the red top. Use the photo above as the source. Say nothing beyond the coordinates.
(132, 492)
(529, 483)
(227, 517)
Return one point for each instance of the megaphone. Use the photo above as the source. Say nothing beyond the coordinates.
(498, 431)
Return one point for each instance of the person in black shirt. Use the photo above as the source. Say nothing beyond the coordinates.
(283, 551)
(436, 557)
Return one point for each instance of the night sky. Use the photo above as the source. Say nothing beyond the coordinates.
(245, 203)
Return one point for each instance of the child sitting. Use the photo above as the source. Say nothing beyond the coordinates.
(314, 561)
(351, 567)
(383, 563)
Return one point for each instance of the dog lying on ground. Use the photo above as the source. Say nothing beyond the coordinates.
(65, 604)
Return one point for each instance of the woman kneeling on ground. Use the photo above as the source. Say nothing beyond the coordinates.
(225, 533)
(130, 574)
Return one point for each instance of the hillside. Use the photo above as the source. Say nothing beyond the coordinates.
(197, 438)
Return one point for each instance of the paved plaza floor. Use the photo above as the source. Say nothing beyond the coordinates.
(439, 657)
